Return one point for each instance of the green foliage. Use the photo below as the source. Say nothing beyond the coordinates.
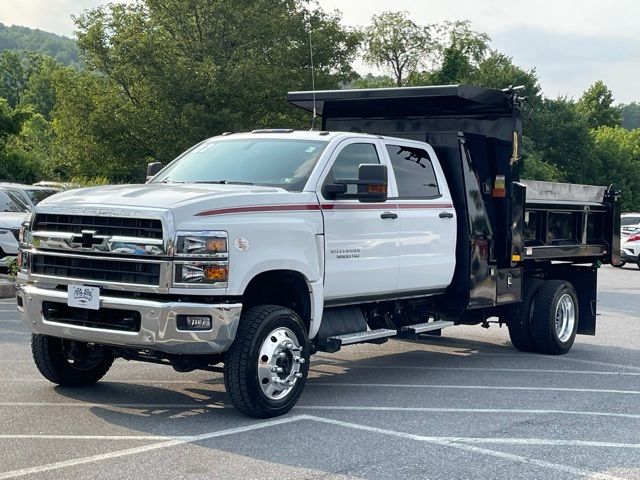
(395, 42)
(618, 151)
(164, 74)
(630, 115)
(62, 49)
(560, 135)
(596, 105)
(372, 81)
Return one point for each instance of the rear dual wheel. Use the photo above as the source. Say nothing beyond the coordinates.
(546, 320)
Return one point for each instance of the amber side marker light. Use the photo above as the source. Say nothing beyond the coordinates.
(376, 189)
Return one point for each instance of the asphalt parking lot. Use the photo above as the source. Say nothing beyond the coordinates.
(464, 405)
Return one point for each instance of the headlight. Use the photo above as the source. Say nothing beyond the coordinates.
(201, 259)
(203, 273)
(201, 244)
(23, 236)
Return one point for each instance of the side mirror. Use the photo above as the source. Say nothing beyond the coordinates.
(152, 169)
(371, 184)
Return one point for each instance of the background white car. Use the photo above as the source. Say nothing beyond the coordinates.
(631, 248)
(12, 213)
(30, 195)
(630, 223)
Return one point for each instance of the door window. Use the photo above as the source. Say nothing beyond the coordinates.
(347, 163)
(414, 172)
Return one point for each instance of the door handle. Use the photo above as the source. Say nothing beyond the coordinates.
(386, 215)
(446, 215)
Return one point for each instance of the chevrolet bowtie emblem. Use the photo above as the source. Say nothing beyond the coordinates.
(88, 238)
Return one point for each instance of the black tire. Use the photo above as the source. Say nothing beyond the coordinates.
(241, 361)
(52, 362)
(519, 318)
(622, 264)
(638, 263)
(543, 322)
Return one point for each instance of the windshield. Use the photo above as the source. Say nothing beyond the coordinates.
(37, 196)
(284, 163)
(626, 221)
(10, 203)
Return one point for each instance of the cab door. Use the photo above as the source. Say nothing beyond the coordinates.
(427, 256)
(361, 239)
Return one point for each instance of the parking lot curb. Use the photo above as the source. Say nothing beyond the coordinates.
(7, 289)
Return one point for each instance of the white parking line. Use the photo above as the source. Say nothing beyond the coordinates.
(146, 448)
(14, 331)
(218, 406)
(471, 387)
(112, 405)
(544, 442)
(90, 437)
(473, 449)
(112, 381)
(347, 365)
(563, 358)
(466, 410)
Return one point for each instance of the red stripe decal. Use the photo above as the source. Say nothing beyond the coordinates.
(425, 205)
(260, 208)
(325, 206)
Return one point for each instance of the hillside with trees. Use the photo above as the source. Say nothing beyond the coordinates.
(160, 76)
(23, 39)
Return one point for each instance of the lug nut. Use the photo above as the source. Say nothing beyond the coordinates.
(297, 375)
(276, 369)
(299, 360)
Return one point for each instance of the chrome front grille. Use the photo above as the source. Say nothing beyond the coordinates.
(110, 226)
(101, 270)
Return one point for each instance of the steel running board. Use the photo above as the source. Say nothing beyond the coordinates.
(359, 337)
(426, 327)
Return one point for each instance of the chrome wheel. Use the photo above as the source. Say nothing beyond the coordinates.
(565, 317)
(279, 363)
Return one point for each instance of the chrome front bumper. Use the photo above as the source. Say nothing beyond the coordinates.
(158, 330)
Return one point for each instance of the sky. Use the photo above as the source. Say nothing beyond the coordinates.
(570, 43)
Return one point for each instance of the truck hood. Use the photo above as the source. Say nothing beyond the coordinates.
(188, 204)
(155, 195)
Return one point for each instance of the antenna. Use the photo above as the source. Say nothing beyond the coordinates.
(313, 83)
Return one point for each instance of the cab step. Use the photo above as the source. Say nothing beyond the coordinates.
(367, 336)
(334, 343)
(425, 327)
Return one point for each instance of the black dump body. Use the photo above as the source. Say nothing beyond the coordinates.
(502, 230)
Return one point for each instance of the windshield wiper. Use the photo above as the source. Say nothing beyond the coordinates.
(225, 182)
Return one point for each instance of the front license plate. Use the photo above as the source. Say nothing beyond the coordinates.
(82, 296)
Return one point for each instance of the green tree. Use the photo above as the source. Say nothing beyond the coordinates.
(372, 81)
(165, 74)
(596, 105)
(630, 115)
(497, 70)
(394, 42)
(560, 136)
(14, 164)
(618, 151)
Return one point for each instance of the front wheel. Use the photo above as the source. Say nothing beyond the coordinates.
(266, 367)
(69, 363)
(554, 322)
